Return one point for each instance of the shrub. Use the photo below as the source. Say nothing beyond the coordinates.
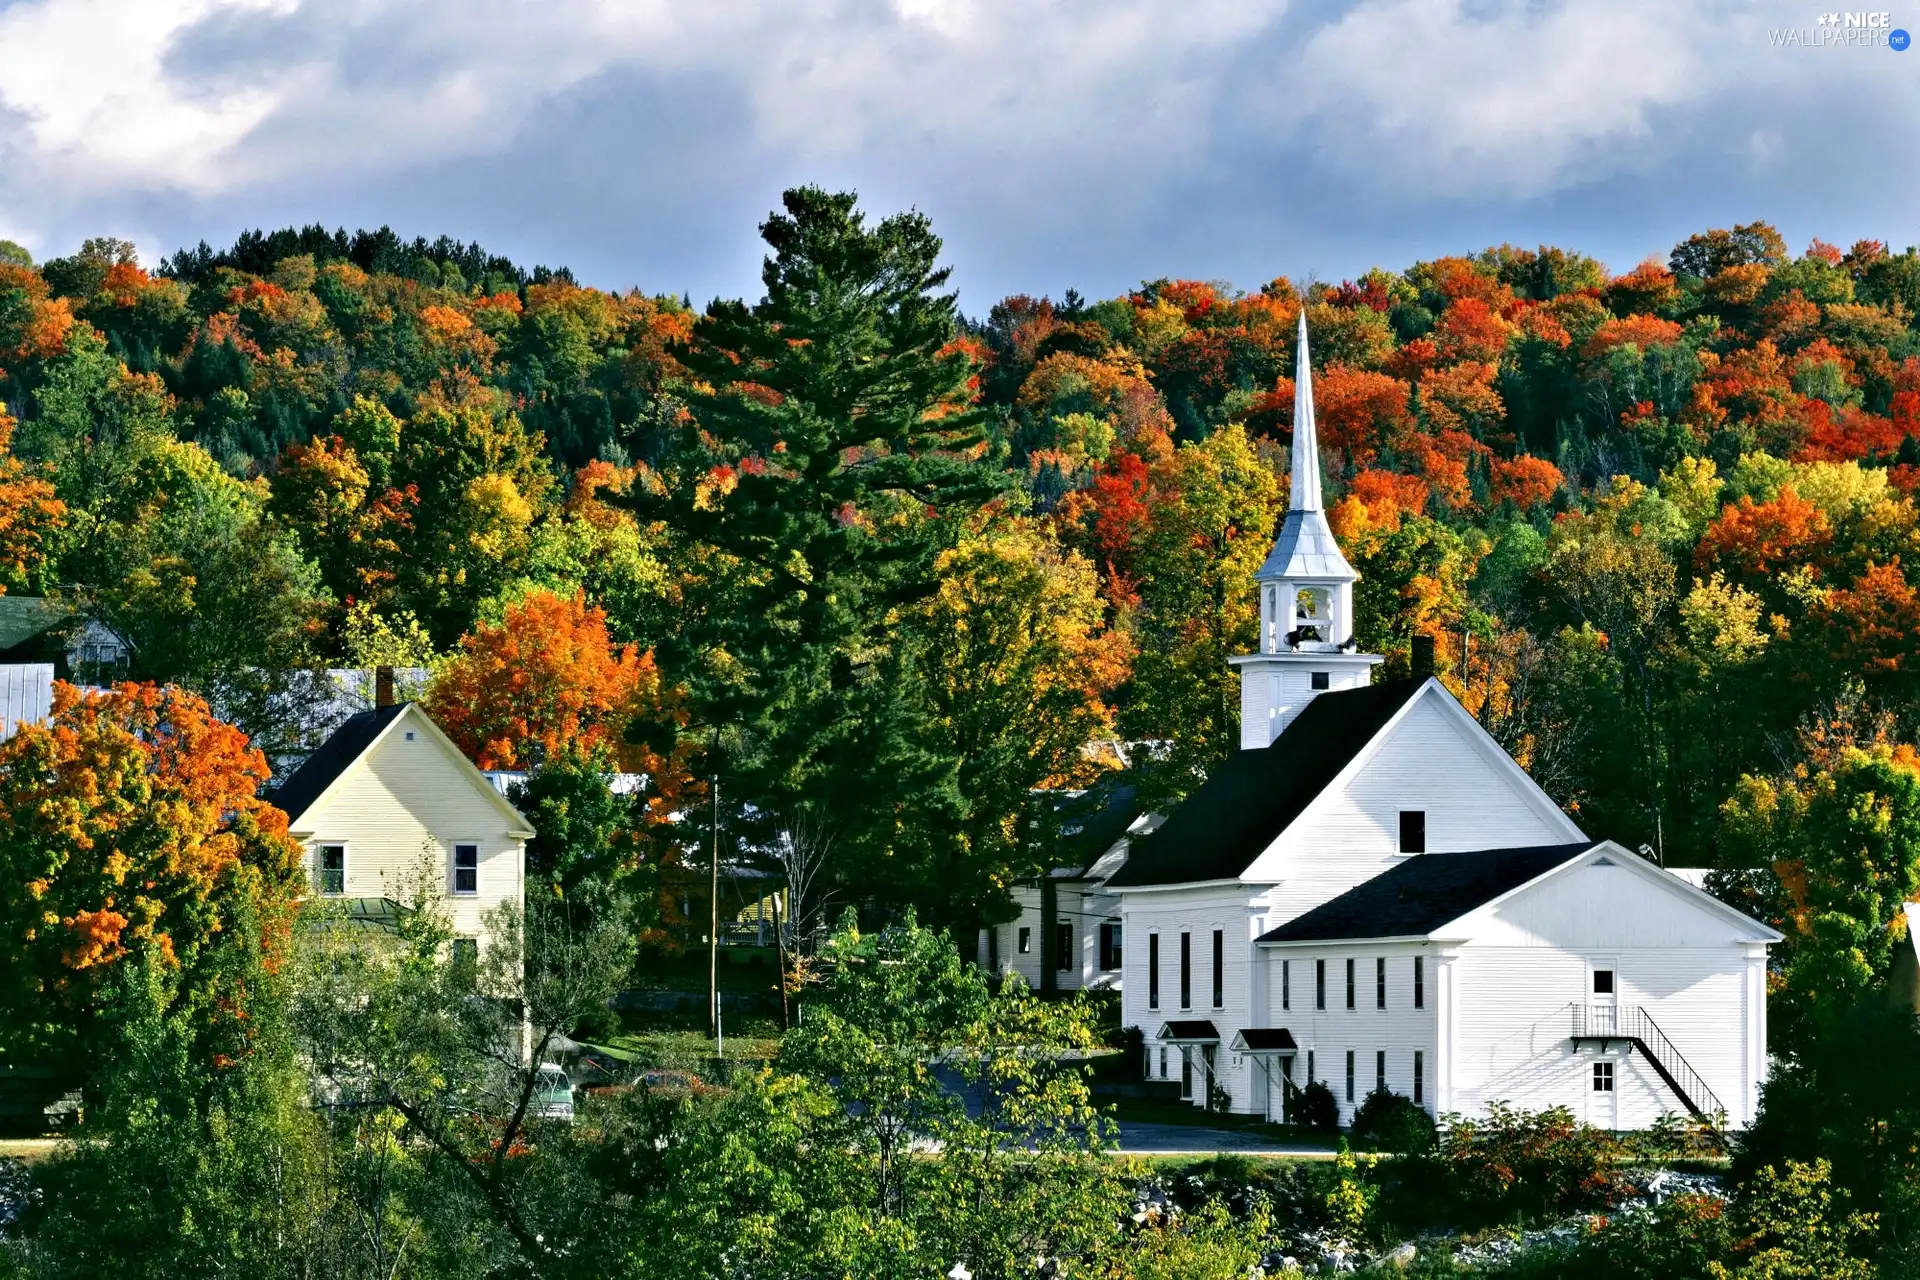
(1511, 1166)
(1314, 1108)
(1388, 1121)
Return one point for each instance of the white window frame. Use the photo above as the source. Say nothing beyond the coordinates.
(320, 848)
(453, 868)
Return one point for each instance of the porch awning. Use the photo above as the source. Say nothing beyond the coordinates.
(1264, 1040)
(1197, 1031)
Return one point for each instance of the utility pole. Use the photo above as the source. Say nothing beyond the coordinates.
(713, 927)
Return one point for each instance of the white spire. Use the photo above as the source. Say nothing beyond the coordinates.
(1306, 440)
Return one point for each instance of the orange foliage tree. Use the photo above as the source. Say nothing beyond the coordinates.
(1754, 539)
(132, 833)
(30, 515)
(547, 677)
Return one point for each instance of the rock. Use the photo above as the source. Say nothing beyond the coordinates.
(1404, 1255)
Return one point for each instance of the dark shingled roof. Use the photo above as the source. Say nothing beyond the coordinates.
(1264, 1040)
(347, 743)
(1423, 893)
(1192, 1029)
(1231, 818)
(1091, 823)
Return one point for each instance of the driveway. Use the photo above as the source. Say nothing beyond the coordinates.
(1146, 1137)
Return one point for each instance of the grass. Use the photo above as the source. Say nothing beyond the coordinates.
(27, 1150)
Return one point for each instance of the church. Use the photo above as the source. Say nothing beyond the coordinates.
(1372, 894)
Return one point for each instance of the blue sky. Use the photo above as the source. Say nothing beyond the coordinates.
(1055, 143)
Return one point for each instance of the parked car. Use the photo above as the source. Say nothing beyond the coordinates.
(552, 1094)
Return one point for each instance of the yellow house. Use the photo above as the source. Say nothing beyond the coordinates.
(389, 808)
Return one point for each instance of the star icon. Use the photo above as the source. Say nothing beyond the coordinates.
(1829, 19)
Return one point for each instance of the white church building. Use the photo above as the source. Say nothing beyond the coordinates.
(1371, 894)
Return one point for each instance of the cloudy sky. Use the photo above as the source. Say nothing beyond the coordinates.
(1055, 143)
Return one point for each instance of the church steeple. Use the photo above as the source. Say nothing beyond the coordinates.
(1306, 594)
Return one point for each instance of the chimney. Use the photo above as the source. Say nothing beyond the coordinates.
(1422, 660)
(383, 681)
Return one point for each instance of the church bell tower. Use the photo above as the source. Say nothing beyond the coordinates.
(1306, 596)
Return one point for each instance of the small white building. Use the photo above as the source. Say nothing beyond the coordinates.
(1371, 893)
(1067, 935)
(389, 808)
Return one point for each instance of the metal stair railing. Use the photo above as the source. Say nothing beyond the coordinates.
(1632, 1024)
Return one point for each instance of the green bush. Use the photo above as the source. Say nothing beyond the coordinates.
(1388, 1121)
(1314, 1108)
(1512, 1166)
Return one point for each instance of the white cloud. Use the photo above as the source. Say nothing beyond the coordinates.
(85, 79)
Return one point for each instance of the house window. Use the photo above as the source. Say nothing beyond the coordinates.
(1286, 984)
(1109, 946)
(1419, 1077)
(1349, 982)
(1349, 1075)
(1380, 1070)
(1321, 679)
(1063, 959)
(1380, 983)
(1186, 971)
(333, 870)
(1413, 831)
(1026, 941)
(1419, 982)
(1603, 1077)
(1153, 983)
(466, 868)
(1319, 984)
(1603, 982)
(1219, 969)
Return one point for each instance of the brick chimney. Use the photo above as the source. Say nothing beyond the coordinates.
(383, 682)
(1422, 661)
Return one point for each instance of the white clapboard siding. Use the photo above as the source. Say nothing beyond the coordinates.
(1513, 1020)
(26, 695)
(399, 810)
(1427, 760)
(1400, 1029)
(1240, 917)
(1081, 905)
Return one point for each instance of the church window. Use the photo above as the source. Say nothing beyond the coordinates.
(1413, 831)
(1380, 983)
(1350, 982)
(1186, 971)
(1349, 1075)
(1309, 1066)
(1286, 984)
(1026, 941)
(1219, 969)
(1380, 1070)
(1322, 679)
(1419, 1076)
(1603, 982)
(1319, 984)
(1419, 982)
(1153, 977)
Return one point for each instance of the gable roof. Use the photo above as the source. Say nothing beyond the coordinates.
(22, 618)
(1424, 893)
(312, 781)
(333, 757)
(1243, 806)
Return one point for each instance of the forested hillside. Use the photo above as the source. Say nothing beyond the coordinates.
(889, 568)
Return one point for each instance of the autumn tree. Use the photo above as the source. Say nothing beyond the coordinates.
(134, 844)
(545, 679)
